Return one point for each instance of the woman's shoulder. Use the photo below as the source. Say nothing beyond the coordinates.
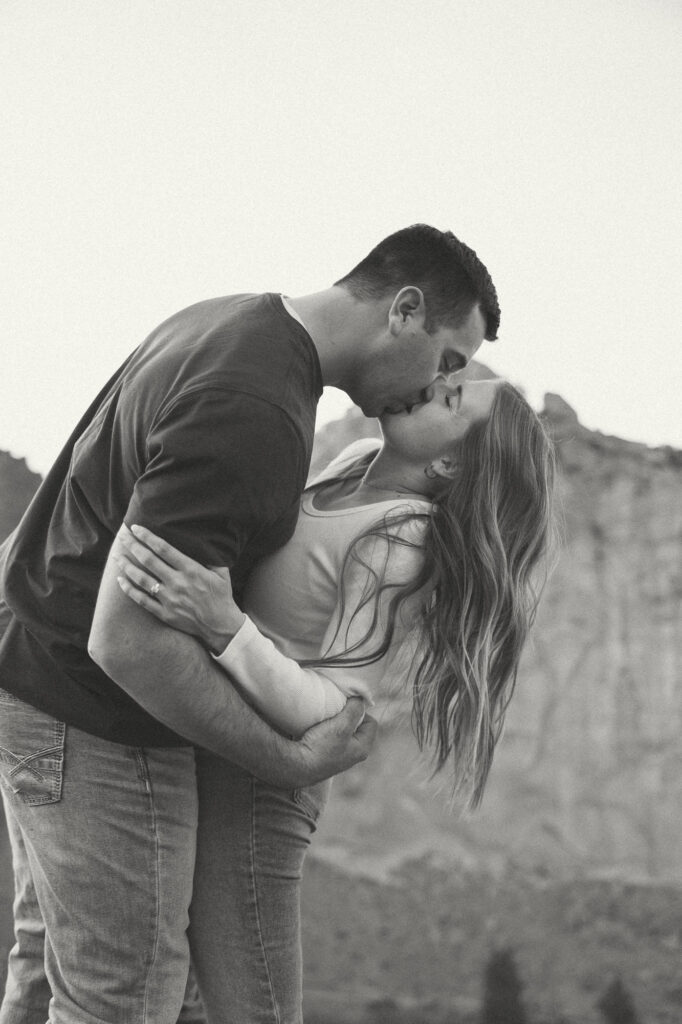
(395, 546)
(354, 454)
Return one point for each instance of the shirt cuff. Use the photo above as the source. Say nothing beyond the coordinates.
(241, 639)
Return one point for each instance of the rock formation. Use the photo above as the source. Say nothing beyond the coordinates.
(17, 486)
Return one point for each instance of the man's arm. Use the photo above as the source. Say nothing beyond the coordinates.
(171, 676)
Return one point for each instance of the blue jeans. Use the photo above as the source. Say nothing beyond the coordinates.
(103, 842)
(245, 916)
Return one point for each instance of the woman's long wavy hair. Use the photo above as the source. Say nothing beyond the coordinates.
(484, 551)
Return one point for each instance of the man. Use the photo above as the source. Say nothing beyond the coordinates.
(204, 436)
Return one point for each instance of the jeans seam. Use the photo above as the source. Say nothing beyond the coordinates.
(252, 865)
(143, 772)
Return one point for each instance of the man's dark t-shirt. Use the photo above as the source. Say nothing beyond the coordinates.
(204, 435)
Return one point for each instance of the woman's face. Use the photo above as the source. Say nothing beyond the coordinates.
(430, 430)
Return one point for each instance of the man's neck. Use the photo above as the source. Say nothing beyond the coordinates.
(340, 328)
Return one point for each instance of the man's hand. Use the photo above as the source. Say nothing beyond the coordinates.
(336, 744)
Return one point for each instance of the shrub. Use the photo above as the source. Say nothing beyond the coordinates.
(616, 1005)
(502, 1003)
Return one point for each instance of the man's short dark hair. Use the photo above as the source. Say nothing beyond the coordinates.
(449, 273)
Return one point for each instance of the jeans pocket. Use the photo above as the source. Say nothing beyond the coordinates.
(312, 800)
(31, 752)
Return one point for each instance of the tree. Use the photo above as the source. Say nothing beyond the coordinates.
(502, 1003)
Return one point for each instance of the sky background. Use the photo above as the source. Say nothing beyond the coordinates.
(158, 153)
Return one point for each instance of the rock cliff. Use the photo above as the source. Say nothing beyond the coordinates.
(17, 486)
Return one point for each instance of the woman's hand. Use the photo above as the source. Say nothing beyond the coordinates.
(176, 589)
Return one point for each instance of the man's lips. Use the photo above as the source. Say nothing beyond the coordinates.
(404, 407)
(423, 398)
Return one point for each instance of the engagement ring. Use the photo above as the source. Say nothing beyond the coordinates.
(155, 589)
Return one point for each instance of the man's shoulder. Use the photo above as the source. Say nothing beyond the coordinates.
(228, 318)
(243, 342)
(207, 329)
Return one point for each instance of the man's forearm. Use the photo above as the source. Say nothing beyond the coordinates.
(206, 709)
(173, 678)
(171, 675)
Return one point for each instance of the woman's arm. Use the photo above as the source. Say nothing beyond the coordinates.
(288, 695)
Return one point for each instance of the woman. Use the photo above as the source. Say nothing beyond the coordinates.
(412, 564)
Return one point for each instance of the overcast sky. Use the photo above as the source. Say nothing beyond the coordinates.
(159, 152)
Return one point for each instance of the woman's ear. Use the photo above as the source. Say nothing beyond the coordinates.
(444, 467)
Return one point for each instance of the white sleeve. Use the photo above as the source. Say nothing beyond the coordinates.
(294, 698)
(291, 697)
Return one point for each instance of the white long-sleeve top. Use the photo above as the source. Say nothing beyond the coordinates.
(296, 610)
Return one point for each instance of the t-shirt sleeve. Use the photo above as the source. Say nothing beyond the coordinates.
(221, 466)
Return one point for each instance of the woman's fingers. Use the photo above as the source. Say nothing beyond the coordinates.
(142, 579)
(157, 554)
(142, 598)
(144, 556)
(170, 555)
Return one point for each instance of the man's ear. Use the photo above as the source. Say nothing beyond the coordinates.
(407, 309)
(444, 467)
